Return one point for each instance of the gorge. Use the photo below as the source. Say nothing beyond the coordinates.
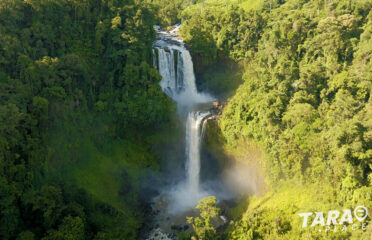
(251, 113)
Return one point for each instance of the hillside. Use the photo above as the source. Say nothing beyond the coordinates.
(102, 120)
(305, 99)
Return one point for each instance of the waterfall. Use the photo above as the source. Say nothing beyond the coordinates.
(175, 65)
(195, 126)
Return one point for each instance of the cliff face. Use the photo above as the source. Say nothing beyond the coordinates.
(240, 167)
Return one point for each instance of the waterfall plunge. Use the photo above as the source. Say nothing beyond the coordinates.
(195, 126)
(175, 66)
(178, 80)
(186, 194)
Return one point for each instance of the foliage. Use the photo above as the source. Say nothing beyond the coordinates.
(305, 99)
(168, 12)
(202, 225)
(75, 78)
(80, 105)
(220, 79)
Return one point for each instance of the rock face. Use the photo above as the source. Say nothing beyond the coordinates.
(217, 107)
(177, 228)
(166, 49)
(170, 36)
(158, 234)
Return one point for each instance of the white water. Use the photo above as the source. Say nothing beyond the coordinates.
(176, 68)
(194, 134)
(187, 194)
(178, 82)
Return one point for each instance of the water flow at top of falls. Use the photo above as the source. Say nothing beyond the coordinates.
(175, 66)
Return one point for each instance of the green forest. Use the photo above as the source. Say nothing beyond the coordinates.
(76, 84)
(83, 118)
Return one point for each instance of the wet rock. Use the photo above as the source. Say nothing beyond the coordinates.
(223, 218)
(158, 234)
(218, 106)
(176, 228)
(166, 49)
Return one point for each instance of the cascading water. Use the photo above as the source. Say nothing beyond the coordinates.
(194, 133)
(175, 66)
(171, 206)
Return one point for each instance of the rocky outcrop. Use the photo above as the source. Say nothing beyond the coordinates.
(217, 107)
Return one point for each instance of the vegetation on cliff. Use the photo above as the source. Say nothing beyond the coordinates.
(305, 99)
(79, 99)
(81, 111)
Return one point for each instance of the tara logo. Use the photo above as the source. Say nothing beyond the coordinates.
(335, 218)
